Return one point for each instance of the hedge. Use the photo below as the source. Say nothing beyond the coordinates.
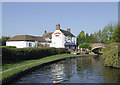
(20, 54)
(111, 55)
(7, 46)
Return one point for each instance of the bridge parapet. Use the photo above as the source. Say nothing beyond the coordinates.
(98, 45)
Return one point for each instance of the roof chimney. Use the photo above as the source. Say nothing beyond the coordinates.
(69, 29)
(58, 27)
(45, 31)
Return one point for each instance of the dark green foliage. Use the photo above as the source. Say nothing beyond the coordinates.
(8, 46)
(81, 38)
(4, 39)
(93, 39)
(110, 55)
(20, 54)
(87, 38)
(116, 34)
(85, 45)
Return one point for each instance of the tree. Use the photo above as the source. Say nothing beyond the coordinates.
(81, 38)
(107, 33)
(87, 38)
(4, 39)
(93, 38)
(104, 36)
(116, 34)
(99, 37)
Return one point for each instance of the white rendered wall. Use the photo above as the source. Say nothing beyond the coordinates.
(58, 41)
(32, 43)
(73, 39)
(20, 44)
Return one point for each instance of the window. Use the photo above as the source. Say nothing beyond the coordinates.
(30, 44)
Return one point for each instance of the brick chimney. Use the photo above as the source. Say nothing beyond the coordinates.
(58, 27)
(69, 29)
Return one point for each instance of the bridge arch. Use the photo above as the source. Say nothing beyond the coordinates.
(97, 46)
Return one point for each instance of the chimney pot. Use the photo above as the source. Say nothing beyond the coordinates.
(69, 29)
(45, 31)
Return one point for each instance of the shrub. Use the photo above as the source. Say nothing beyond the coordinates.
(62, 50)
(20, 54)
(85, 45)
(111, 55)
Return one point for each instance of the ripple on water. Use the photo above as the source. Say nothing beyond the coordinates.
(77, 70)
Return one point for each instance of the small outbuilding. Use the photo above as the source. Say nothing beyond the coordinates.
(26, 41)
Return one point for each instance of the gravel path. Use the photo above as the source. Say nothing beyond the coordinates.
(21, 66)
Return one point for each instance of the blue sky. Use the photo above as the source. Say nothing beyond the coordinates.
(33, 18)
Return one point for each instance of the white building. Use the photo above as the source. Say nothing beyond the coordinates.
(59, 39)
(24, 41)
(63, 39)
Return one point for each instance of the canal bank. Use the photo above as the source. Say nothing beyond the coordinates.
(81, 70)
(111, 55)
(11, 74)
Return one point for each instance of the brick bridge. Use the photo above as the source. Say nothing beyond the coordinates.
(97, 46)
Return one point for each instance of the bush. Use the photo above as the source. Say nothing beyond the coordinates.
(20, 54)
(111, 55)
(62, 50)
(85, 45)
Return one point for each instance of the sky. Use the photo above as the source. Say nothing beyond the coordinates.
(33, 18)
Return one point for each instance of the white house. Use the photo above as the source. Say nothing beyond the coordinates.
(63, 39)
(24, 41)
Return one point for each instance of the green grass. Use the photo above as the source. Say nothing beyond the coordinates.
(41, 61)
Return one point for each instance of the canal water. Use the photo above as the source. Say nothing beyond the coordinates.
(73, 70)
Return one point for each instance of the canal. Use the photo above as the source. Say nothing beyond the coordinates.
(73, 70)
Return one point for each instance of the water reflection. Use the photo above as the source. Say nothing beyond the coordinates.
(75, 70)
(113, 75)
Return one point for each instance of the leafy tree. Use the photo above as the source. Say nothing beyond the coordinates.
(81, 37)
(104, 36)
(87, 38)
(107, 33)
(99, 37)
(116, 34)
(93, 39)
(4, 39)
